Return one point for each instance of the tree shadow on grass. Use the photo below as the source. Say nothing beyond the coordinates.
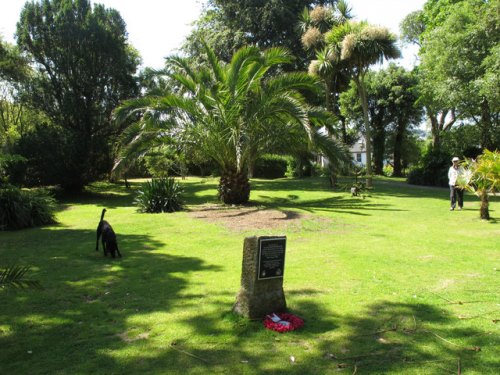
(339, 204)
(83, 312)
(397, 337)
(386, 337)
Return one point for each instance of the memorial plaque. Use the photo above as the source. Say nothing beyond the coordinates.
(271, 257)
(261, 291)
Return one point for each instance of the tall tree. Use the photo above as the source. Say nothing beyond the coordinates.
(227, 25)
(334, 72)
(460, 63)
(393, 112)
(84, 67)
(362, 45)
(234, 112)
(14, 70)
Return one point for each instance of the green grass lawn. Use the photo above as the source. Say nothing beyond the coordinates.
(393, 283)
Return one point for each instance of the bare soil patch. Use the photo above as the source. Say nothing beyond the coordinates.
(243, 218)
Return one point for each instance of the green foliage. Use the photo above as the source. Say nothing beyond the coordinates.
(299, 166)
(159, 195)
(483, 174)
(482, 177)
(83, 68)
(433, 169)
(25, 208)
(463, 140)
(52, 156)
(230, 113)
(388, 170)
(361, 45)
(227, 25)
(14, 276)
(271, 166)
(6, 162)
(459, 61)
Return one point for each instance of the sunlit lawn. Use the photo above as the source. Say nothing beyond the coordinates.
(393, 283)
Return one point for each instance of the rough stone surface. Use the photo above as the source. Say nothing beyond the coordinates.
(257, 298)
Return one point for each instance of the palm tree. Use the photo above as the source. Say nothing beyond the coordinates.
(335, 74)
(362, 45)
(231, 112)
(482, 177)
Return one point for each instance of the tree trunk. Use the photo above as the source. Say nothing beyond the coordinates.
(378, 143)
(484, 211)
(368, 133)
(486, 126)
(234, 187)
(398, 151)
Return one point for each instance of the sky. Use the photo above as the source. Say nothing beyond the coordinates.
(157, 28)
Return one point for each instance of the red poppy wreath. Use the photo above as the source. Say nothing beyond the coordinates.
(283, 322)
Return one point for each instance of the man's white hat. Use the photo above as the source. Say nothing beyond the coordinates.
(455, 159)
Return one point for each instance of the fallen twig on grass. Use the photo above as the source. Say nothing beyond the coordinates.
(393, 329)
(440, 296)
(471, 348)
(173, 346)
(477, 316)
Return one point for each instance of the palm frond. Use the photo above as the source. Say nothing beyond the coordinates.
(336, 152)
(14, 276)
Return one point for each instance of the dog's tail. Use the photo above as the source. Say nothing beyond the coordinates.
(103, 212)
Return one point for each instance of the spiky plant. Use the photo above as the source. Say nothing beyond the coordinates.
(482, 177)
(232, 112)
(159, 195)
(361, 45)
(312, 38)
(14, 276)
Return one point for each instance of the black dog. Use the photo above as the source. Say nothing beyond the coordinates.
(109, 243)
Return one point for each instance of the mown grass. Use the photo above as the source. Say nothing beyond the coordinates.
(389, 284)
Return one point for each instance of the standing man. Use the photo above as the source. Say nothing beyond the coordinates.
(456, 193)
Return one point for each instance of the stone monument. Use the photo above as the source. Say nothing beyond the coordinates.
(262, 273)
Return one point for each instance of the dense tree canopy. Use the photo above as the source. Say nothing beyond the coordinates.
(228, 25)
(393, 113)
(460, 56)
(84, 67)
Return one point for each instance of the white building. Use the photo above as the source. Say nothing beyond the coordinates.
(358, 153)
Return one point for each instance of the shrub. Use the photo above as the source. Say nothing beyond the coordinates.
(299, 167)
(54, 157)
(25, 208)
(388, 170)
(159, 195)
(270, 166)
(433, 170)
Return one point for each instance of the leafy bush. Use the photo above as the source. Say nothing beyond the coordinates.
(299, 167)
(23, 209)
(388, 170)
(54, 157)
(433, 170)
(159, 195)
(270, 166)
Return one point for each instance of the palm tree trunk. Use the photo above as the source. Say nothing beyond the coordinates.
(234, 187)
(484, 211)
(368, 132)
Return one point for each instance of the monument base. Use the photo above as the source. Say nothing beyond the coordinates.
(257, 298)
